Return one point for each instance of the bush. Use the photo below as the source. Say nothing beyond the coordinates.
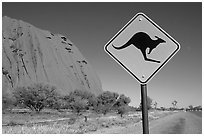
(77, 101)
(105, 102)
(78, 105)
(7, 103)
(85, 95)
(58, 104)
(122, 110)
(149, 103)
(121, 106)
(36, 97)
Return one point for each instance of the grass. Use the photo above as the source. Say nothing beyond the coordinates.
(31, 123)
(25, 117)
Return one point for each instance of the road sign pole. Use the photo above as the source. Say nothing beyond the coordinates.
(145, 122)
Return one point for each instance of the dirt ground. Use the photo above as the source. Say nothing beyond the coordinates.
(160, 122)
(177, 123)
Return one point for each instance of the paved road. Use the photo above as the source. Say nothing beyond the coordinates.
(179, 123)
(198, 113)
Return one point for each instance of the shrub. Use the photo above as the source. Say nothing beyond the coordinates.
(78, 105)
(36, 97)
(7, 103)
(58, 104)
(121, 105)
(122, 110)
(85, 95)
(149, 103)
(105, 102)
(77, 101)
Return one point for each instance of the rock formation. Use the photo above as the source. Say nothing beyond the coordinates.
(31, 55)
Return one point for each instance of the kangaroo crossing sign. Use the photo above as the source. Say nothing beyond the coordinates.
(142, 47)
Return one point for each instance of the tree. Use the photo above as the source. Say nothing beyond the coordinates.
(198, 108)
(78, 105)
(105, 102)
(155, 105)
(121, 105)
(123, 100)
(83, 95)
(122, 110)
(174, 104)
(149, 103)
(58, 104)
(162, 108)
(190, 107)
(36, 96)
(90, 97)
(79, 101)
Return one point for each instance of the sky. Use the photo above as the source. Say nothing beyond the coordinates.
(91, 25)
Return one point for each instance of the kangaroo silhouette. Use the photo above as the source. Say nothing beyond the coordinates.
(143, 41)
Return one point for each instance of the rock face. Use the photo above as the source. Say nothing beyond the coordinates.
(31, 55)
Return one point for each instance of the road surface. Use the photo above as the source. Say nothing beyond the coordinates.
(177, 123)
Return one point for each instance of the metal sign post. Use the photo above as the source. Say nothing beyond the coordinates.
(145, 122)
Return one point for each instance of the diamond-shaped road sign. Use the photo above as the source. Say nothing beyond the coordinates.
(142, 47)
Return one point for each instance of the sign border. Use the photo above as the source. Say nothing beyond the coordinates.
(129, 71)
